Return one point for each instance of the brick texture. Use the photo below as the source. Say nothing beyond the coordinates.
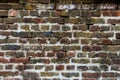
(59, 40)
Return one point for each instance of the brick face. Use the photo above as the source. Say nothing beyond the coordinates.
(59, 40)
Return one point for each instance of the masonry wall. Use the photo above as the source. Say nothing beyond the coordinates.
(50, 40)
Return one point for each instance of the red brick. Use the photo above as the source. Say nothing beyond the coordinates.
(19, 60)
(60, 67)
(51, 54)
(3, 60)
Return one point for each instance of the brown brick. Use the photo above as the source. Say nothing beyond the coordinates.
(29, 6)
(51, 54)
(80, 27)
(94, 28)
(4, 6)
(110, 74)
(12, 20)
(61, 55)
(113, 21)
(70, 67)
(1, 53)
(49, 68)
(116, 61)
(117, 35)
(49, 74)
(3, 13)
(65, 41)
(60, 67)
(4, 27)
(82, 68)
(8, 73)
(83, 34)
(19, 60)
(72, 74)
(91, 75)
(103, 35)
(70, 54)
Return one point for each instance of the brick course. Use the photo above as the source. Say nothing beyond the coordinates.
(59, 40)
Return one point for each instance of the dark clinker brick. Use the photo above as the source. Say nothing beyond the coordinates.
(10, 47)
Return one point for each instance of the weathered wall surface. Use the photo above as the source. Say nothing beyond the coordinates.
(42, 40)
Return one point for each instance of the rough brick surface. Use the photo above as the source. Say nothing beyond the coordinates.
(59, 40)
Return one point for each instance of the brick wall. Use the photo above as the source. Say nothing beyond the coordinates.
(52, 40)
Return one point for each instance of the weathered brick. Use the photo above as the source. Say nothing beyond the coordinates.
(10, 47)
(3, 13)
(15, 54)
(12, 20)
(38, 67)
(60, 67)
(74, 20)
(104, 67)
(115, 67)
(55, 27)
(110, 74)
(17, 6)
(80, 27)
(94, 21)
(34, 13)
(13, 27)
(55, 20)
(1, 20)
(24, 13)
(65, 28)
(29, 6)
(83, 34)
(94, 28)
(49, 68)
(64, 13)
(9, 67)
(70, 74)
(5, 6)
(117, 35)
(19, 60)
(60, 60)
(113, 21)
(30, 74)
(116, 61)
(45, 27)
(65, 41)
(81, 61)
(45, 61)
(45, 14)
(62, 34)
(8, 73)
(82, 68)
(35, 27)
(70, 67)
(61, 55)
(74, 13)
(49, 74)
(24, 67)
(3, 60)
(91, 75)
(4, 27)
(71, 48)
(103, 35)
(55, 14)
